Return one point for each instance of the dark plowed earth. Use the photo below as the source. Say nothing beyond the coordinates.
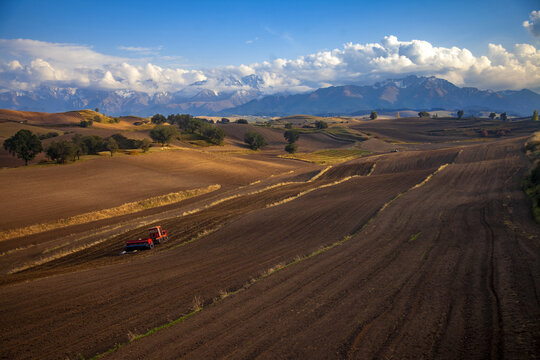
(465, 287)
(430, 261)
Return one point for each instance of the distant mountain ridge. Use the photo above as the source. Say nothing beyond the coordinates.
(196, 99)
(411, 92)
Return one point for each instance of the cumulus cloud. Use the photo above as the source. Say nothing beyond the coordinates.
(26, 64)
(533, 25)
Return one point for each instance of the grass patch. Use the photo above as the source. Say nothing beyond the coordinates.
(415, 236)
(327, 157)
(128, 208)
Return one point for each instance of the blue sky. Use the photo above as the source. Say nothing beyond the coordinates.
(212, 34)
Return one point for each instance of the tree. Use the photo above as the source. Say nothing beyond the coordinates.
(492, 115)
(24, 144)
(145, 144)
(241, 121)
(112, 145)
(459, 114)
(423, 113)
(163, 134)
(193, 125)
(291, 148)
(61, 151)
(96, 110)
(291, 136)
(373, 115)
(535, 115)
(86, 123)
(213, 133)
(97, 118)
(93, 144)
(158, 119)
(225, 121)
(504, 117)
(320, 124)
(288, 126)
(254, 140)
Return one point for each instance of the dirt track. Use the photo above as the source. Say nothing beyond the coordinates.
(465, 287)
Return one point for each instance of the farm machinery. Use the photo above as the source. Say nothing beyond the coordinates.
(156, 235)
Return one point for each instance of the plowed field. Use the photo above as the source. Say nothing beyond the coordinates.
(416, 254)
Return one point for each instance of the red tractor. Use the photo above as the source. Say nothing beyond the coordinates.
(156, 235)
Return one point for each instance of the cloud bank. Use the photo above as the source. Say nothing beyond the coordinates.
(26, 64)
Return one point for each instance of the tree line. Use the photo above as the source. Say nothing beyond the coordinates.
(26, 145)
(186, 123)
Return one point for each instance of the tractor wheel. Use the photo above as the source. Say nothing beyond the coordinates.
(151, 246)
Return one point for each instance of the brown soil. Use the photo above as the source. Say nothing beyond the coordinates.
(39, 118)
(39, 194)
(466, 287)
(449, 269)
(274, 137)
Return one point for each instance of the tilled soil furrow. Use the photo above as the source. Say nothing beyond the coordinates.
(434, 296)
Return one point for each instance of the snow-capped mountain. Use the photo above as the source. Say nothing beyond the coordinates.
(244, 96)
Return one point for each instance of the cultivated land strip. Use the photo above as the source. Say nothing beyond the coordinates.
(466, 286)
(221, 258)
(450, 293)
(278, 267)
(124, 209)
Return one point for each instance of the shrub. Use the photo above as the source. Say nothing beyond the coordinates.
(213, 133)
(61, 151)
(291, 136)
(291, 148)
(241, 121)
(48, 135)
(86, 123)
(158, 119)
(254, 140)
(321, 124)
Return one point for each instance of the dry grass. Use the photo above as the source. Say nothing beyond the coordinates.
(429, 177)
(56, 256)
(310, 190)
(197, 304)
(128, 208)
(273, 269)
(372, 169)
(327, 157)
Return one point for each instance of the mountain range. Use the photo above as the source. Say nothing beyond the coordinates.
(411, 92)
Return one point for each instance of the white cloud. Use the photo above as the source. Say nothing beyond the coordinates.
(140, 49)
(533, 25)
(25, 64)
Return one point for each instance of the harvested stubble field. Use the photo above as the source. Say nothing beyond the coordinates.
(416, 254)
